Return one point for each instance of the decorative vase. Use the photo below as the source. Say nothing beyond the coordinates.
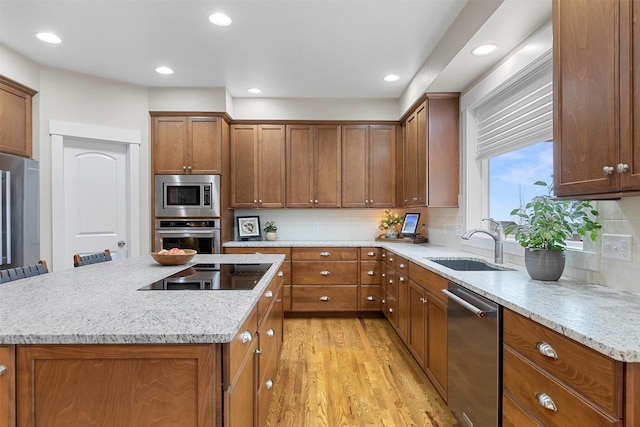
(272, 235)
(391, 233)
(544, 264)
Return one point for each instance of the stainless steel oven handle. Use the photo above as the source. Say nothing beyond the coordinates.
(483, 314)
(205, 233)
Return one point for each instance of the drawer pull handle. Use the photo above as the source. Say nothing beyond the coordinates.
(258, 351)
(325, 273)
(269, 384)
(3, 369)
(270, 332)
(324, 298)
(371, 273)
(280, 274)
(371, 298)
(371, 254)
(325, 253)
(401, 279)
(545, 349)
(268, 294)
(546, 402)
(246, 337)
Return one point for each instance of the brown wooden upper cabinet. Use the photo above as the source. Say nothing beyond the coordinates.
(369, 166)
(596, 91)
(257, 166)
(313, 166)
(15, 118)
(431, 153)
(187, 145)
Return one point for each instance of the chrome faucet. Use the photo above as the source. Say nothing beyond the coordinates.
(496, 235)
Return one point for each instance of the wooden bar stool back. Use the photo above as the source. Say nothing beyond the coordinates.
(94, 258)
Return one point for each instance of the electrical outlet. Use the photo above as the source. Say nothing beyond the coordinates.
(617, 246)
(458, 229)
(316, 226)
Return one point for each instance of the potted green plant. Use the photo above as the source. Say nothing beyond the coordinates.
(271, 230)
(545, 224)
(389, 224)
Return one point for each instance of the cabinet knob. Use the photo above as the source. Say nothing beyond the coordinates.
(246, 337)
(390, 310)
(423, 300)
(371, 298)
(390, 259)
(384, 301)
(546, 350)
(184, 167)
(371, 273)
(401, 265)
(268, 294)
(325, 253)
(371, 253)
(269, 384)
(384, 275)
(325, 273)
(258, 351)
(3, 369)
(384, 255)
(270, 332)
(546, 402)
(280, 274)
(259, 201)
(391, 281)
(401, 279)
(623, 167)
(324, 298)
(316, 201)
(607, 170)
(311, 201)
(255, 201)
(189, 167)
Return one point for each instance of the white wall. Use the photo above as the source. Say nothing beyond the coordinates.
(187, 99)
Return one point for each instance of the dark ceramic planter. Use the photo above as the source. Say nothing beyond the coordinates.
(544, 264)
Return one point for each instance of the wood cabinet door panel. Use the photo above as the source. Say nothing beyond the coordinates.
(432, 282)
(240, 397)
(525, 382)
(370, 272)
(514, 415)
(371, 253)
(355, 180)
(586, 96)
(436, 361)
(300, 174)
(236, 350)
(205, 145)
(417, 339)
(99, 385)
(324, 254)
(244, 166)
(325, 273)
(382, 166)
(325, 298)
(271, 189)
(327, 166)
(443, 155)
(370, 298)
(590, 373)
(7, 387)
(170, 150)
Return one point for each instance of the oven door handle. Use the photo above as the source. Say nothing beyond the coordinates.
(206, 233)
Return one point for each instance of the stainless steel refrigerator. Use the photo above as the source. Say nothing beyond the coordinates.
(20, 215)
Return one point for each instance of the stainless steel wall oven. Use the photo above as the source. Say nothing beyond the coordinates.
(200, 235)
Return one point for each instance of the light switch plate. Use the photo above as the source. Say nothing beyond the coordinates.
(617, 246)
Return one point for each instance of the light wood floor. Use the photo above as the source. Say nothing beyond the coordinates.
(351, 372)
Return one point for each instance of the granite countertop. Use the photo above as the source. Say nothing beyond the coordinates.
(601, 318)
(100, 304)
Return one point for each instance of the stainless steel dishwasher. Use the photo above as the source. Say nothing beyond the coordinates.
(474, 357)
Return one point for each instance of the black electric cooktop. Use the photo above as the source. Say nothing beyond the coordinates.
(211, 277)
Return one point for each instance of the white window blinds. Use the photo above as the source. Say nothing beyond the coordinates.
(518, 115)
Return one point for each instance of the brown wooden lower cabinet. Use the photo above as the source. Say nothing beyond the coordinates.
(7, 386)
(126, 385)
(325, 298)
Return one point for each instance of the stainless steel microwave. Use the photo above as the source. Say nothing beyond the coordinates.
(187, 196)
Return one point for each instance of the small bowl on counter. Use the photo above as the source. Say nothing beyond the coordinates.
(168, 258)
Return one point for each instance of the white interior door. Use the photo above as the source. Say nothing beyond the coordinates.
(96, 199)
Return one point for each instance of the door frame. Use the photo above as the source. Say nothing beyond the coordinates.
(61, 132)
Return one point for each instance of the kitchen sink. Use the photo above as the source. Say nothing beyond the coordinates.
(468, 264)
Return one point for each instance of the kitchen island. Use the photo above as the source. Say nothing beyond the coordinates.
(85, 347)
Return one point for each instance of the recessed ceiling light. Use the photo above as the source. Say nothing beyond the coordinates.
(164, 70)
(483, 50)
(391, 78)
(49, 38)
(254, 90)
(220, 19)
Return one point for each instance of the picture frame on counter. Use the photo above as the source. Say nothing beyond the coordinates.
(249, 227)
(410, 224)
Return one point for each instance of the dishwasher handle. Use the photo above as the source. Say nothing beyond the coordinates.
(483, 314)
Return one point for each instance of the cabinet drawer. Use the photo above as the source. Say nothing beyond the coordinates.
(391, 307)
(268, 297)
(241, 343)
(429, 280)
(514, 415)
(589, 373)
(402, 266)
(265, 392)
(325, 254)
(325, 273)
(370, 297)
(391, 282)
(371, 254)
(370, 272)
(270, 339)
(260, 250)
(526, 383)
(321, 298)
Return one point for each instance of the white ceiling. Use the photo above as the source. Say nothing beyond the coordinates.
(289, 48)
